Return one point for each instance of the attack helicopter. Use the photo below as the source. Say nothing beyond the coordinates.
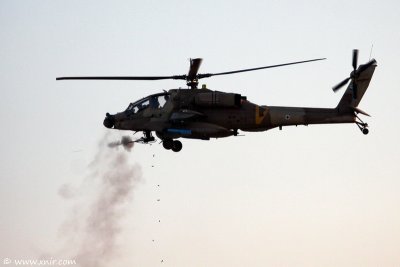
(203, 113)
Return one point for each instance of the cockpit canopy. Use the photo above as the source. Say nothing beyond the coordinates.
(156, 101)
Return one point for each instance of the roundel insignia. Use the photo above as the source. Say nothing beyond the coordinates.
(287, 117)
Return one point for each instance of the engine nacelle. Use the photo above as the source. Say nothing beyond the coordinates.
(218, 99)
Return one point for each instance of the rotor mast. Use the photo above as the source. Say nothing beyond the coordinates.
(192, 79)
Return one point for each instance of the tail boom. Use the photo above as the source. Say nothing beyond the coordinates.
(285, 116)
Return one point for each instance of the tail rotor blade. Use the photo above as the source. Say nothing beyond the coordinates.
(355, 58)
(340, 85)
(352, 74)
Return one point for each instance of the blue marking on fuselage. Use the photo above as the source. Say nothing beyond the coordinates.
(180, 131)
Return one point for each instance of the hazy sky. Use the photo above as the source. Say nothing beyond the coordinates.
(304, 196)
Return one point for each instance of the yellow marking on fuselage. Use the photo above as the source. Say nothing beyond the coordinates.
(260, 117)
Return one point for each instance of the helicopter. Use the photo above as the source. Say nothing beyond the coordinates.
(203, 113)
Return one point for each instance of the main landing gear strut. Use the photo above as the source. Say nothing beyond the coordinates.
(175, 145)
(362, 125)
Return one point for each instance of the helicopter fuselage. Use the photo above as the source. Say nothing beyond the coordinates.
(205, 114)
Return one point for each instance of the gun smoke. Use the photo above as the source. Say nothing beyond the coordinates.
(94, 225)
(126, 142)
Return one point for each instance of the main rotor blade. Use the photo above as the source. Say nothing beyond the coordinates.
(145, 78)
(341, 84)
(194, 68)
(355, 58)
(206, 75)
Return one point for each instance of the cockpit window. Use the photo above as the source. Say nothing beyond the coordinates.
(154, 101)
(162, 99)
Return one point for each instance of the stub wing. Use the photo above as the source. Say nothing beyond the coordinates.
(185, 115)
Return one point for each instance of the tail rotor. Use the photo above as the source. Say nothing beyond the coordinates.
(351, 77)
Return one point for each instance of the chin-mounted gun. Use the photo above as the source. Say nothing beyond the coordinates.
(146, 138)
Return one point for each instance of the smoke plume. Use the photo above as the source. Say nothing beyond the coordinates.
(93, 227)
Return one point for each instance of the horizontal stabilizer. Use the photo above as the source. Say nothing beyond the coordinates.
(357, 110)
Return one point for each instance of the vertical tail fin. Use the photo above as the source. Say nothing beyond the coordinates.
(357, 87)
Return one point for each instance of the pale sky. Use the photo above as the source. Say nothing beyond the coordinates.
(304, 196)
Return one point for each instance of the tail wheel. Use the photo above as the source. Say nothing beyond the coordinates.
(362, 125)
(177, 146)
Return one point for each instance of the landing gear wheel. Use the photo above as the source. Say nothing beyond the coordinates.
(177, 146)
(365, 131)
(168, 144)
